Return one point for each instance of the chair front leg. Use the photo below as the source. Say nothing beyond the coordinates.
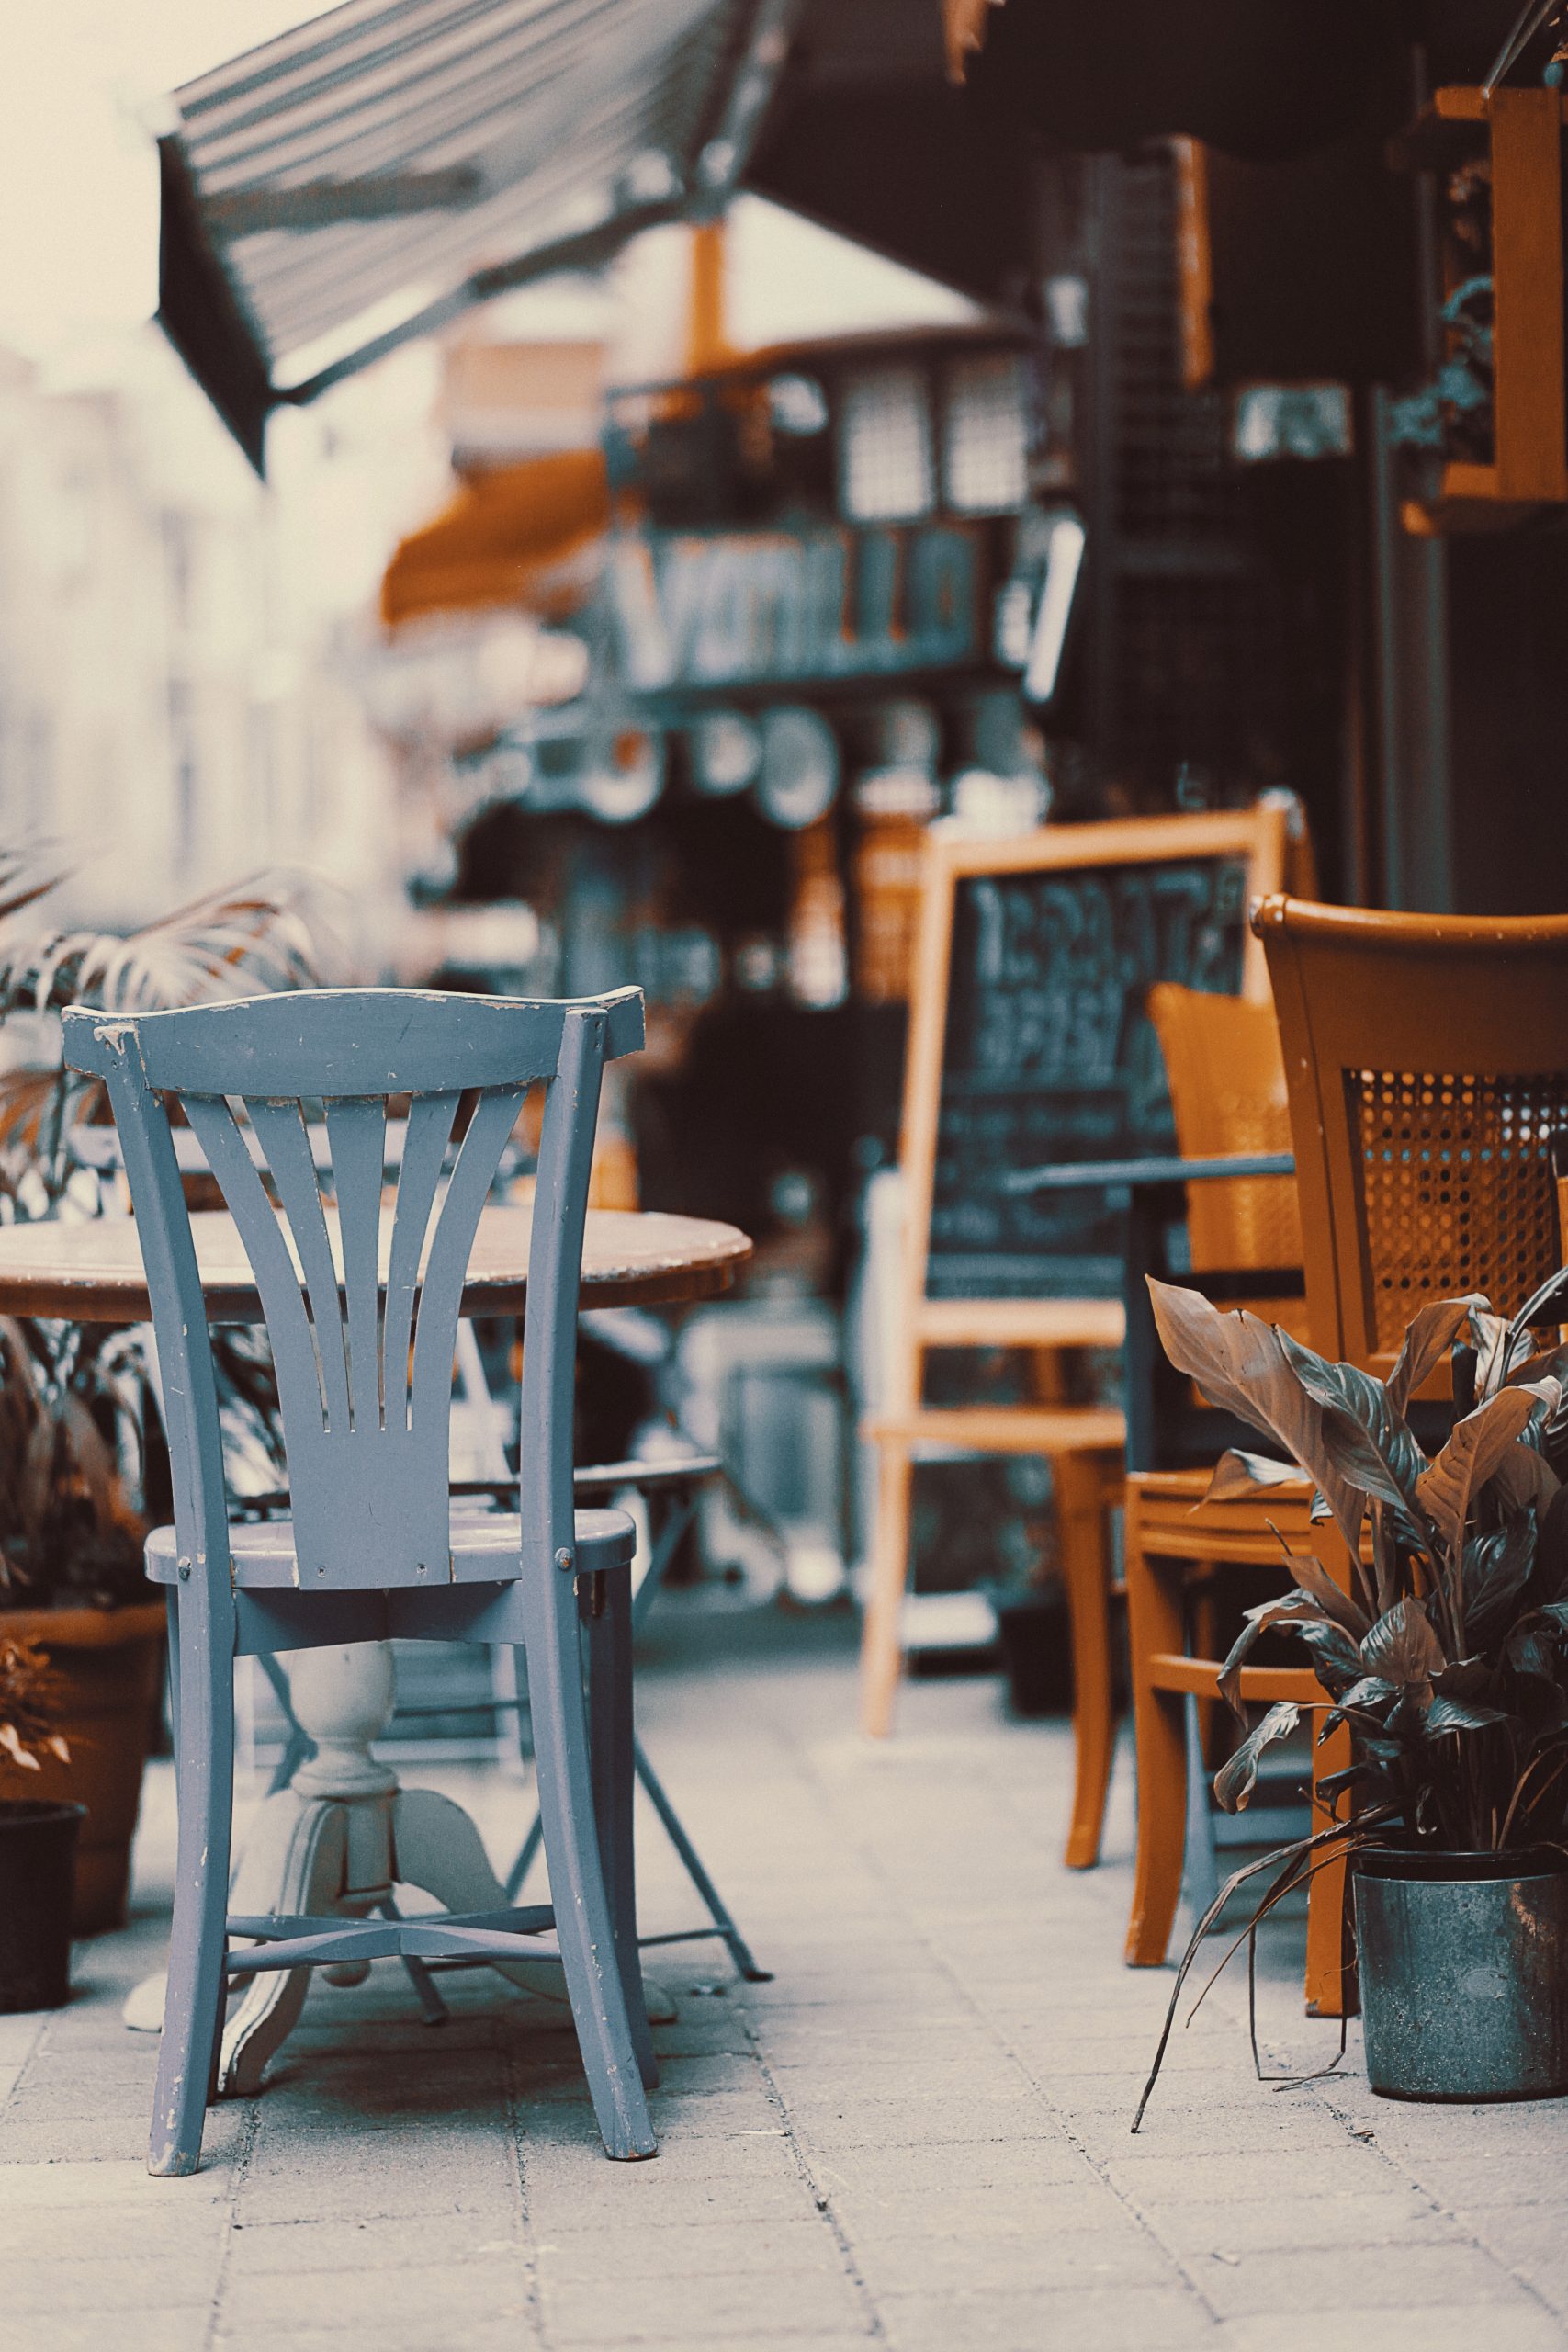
(608, 1619)
(204, 1746)
(584, 1926)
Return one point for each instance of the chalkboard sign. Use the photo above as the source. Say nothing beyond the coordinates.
(1030, 1044)
(1049, 1054)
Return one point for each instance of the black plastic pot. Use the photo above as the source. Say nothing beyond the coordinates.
(1463, 1962)
(38, 1858)
(1031, 1631)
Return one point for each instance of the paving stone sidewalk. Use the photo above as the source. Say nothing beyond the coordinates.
(917, 2135)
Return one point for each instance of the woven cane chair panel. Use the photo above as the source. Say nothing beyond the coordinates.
(1456, 1187)
(1254, 1221)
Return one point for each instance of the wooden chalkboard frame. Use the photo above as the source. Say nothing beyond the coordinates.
(1260, 837)
(1257, 836)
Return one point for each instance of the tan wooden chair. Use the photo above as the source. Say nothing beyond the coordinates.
(1427, 1062)
(1227, 1088)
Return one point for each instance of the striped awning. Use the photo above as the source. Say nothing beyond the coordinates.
(371, 173)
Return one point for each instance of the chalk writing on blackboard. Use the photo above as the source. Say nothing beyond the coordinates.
(1050, 1055)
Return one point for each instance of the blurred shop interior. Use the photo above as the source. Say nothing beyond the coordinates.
(824, 422)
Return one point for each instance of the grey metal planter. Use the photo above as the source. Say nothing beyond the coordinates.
(1464, 1974)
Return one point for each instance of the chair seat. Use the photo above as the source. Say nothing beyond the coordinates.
(484, 1547)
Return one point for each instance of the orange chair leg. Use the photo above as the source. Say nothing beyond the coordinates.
(1326, 1985)
(1086, 1578)
(1153, 1623)
(882, 1647)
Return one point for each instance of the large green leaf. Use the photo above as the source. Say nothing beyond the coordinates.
(1524, 1477)
(1497, 1567)
(1364, 1434)
(1240, 1365)
(1475, 1447)
(1402, 1647)
(1371, 1694)
(1457, 1714)
(1428, 1339)
(1237, 1776)
(1288, 1610)
(1238, 1475)
(1495, 1350)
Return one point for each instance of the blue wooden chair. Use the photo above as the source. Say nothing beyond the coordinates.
(362, 1335)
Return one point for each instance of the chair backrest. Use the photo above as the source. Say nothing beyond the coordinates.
(1227, 1094)
(361, 1307)
(1427, 1062)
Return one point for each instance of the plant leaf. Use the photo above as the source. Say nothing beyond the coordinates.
(1427, 1341)
(1457, 1714)
(1288, 1609)
(1335, 1658)
(1497, 1567)
(1371, 1690)
(1365, 1435)
(1402, 1647)
(13, 1747)
(1238, 1474)
(1524, 1477)
(1475, 1447)
(1240, 1365)
(1237, 1776)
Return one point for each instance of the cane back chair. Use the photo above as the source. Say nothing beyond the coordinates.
(1227, 1089)
(362, 1310)
(1427, 1062)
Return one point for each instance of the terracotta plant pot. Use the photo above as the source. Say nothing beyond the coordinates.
(108, 1662)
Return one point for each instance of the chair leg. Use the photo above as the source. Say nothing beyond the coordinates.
(614, 1787)
(882, 1647)
(536, 1837)
(583, 1923)
(204, 1743)
(1329, 1988)
(1086, 1575)
(1153, 1623)
(739, 1949)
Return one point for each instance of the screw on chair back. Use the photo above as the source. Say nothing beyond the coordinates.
(361, 1307)
(1427, 1062)
(1227, 1095)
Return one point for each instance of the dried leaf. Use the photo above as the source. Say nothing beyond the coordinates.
(1495, 1349)
(1524, 1477)
(1240, 1365)
(1237, 1776)
(1289, 1608)
(1402, 1649)
(1427, 1341)
(1366, 1437)
(1494, 1572)
(1237, 1474)
(1475, 1447)
(1457, 1714)
(13, 1747)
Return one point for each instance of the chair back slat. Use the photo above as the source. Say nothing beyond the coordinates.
(364, 1358)
(279, 1128)
(431, 1120)
(441, 1291)
(356, 1140)
(295, 1355)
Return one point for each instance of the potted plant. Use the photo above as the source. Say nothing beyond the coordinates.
(71, 1396)
(38, 1839)
(1446, 1654)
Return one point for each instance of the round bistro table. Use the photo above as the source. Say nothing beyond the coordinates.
(344, 1833)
